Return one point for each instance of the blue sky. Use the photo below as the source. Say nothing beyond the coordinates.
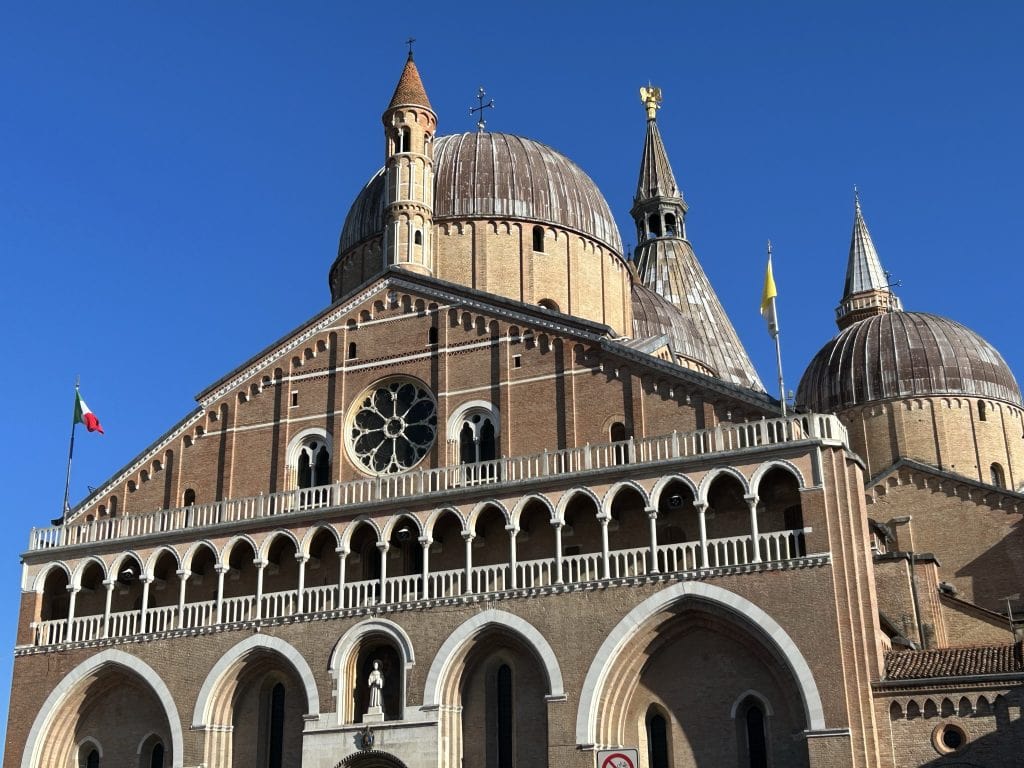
(173, 178)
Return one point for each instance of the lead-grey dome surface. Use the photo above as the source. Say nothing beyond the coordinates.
(904, 354)
(497, 175)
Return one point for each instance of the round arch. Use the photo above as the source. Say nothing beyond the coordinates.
(539, 498)
(273, 536)
(571, 494)
(659, 487)
(236, 653)
(307, 540)
(609, 496)
(370, 758)
(787, 466)
(479, 509)
(346, 535)
(437, 514)
(744, 611)
(76, 579)
(190, 554)
(87, 668)
(710, 477)
(466, 631)
(225, 553)
(40, 581)
(395, 519)
(150, 564)
(466, 410)
(349, 644)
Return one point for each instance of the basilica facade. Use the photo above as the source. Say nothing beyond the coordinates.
(513, 500)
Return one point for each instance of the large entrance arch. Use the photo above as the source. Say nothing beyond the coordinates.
(371, 759)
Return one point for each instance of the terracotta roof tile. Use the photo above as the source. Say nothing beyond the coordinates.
(954, 662)
(410, 88)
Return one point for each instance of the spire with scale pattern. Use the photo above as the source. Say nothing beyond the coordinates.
(867, 291)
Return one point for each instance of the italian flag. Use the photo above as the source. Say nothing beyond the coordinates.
(84, 416)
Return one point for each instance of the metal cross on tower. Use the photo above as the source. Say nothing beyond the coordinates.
(409, 42)
(481, 123)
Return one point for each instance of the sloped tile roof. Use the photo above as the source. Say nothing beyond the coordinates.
(954, 662)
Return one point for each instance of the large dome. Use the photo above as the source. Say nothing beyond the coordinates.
(485, 174)
(904, 354)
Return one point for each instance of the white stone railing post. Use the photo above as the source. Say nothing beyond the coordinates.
(754, 533)
(72, 595)
(300, 603)
(182, 581)
(260, 565)
(468, 537)
(146, 580)
(221, 569)
(606, 566)
(342, 559)
(557, 525)
(109, 584)
(425, 542)
(513, 532)
(652, 522)
(702, 509)
(383, 546)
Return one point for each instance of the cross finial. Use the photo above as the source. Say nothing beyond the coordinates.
(409, 42)
(481, 123)
(769, 249)
(856, 197)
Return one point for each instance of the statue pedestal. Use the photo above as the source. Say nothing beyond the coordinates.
(374, 715)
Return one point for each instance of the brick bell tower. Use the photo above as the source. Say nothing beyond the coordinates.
(409, 128)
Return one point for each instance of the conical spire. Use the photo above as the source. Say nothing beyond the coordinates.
(410, 88)
(866, 292)
(703, 337)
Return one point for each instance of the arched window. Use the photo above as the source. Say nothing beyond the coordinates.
(275, 730)
(752, 732)
(473, 430)
(351, 350)
(654, 225)
(670, 224)
(538, 239)
(417, 238)
(314, 465)
(188, 499)
(617, 434)
(432, 335)
(982, 415)
(504, 718)
(404, 140)
(998, 478)
(657, 741)
(93, 759)
(477, 440)
(157, 758)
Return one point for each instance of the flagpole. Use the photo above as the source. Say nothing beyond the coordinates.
(778, 356)
(71, 453)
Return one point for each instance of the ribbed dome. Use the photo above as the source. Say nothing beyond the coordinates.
(904, 354)
(719, 355)
(495, 174)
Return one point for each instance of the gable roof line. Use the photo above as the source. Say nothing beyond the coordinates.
(920, 466)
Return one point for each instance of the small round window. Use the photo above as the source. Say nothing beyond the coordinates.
(392, 426)
(948, 738)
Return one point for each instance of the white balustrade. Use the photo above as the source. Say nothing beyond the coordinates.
(623, 563)
(678, 445)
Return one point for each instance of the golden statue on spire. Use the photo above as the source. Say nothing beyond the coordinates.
(651, 99)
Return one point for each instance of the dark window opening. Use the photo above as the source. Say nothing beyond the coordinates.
(654, 225)
(314, 467)
(157, 758)
(617, 434)
(670, 224)
(275, 745)
(189, 499)
(757, 747)
(417, 238)
(295, 399)
(998, 478)
(982, 416)
(538, 239)
(657, 742)
(93, 760)
(351, 350)
(467, 445)
(432, 335)
(488, 449)
(517, 361)
(504, 710)
(404, 140)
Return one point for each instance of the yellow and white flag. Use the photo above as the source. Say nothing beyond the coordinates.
(768, 298)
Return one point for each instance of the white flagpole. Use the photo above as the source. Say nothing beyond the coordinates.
(71, 452)
(778, 346)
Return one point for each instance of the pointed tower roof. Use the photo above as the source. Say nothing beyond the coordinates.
(866, 292)
(678, 298)
(410, 88)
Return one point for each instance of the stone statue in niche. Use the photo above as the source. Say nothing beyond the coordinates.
(375, 711)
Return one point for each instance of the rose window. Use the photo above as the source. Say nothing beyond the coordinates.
(393, 426)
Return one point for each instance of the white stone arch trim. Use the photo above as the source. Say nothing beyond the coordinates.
(763, 469)
(307, 539)
(397, 518)
(710, 477)
(751, 694)
(147, 737)
(349, 642)
(190, 553)
(611, 493)
(572, 493)
(150, 564)
(743, 609)
(40, 581)
(659, 488)
(441, 665)
(119, 561)
(300, 439)
(239, 650)
(466, 410)
(71, 679)
(346, 535)
(76, 578)
(224, 557)
(478, 510)
(273, 536)
(437, 514)
(517, 511)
